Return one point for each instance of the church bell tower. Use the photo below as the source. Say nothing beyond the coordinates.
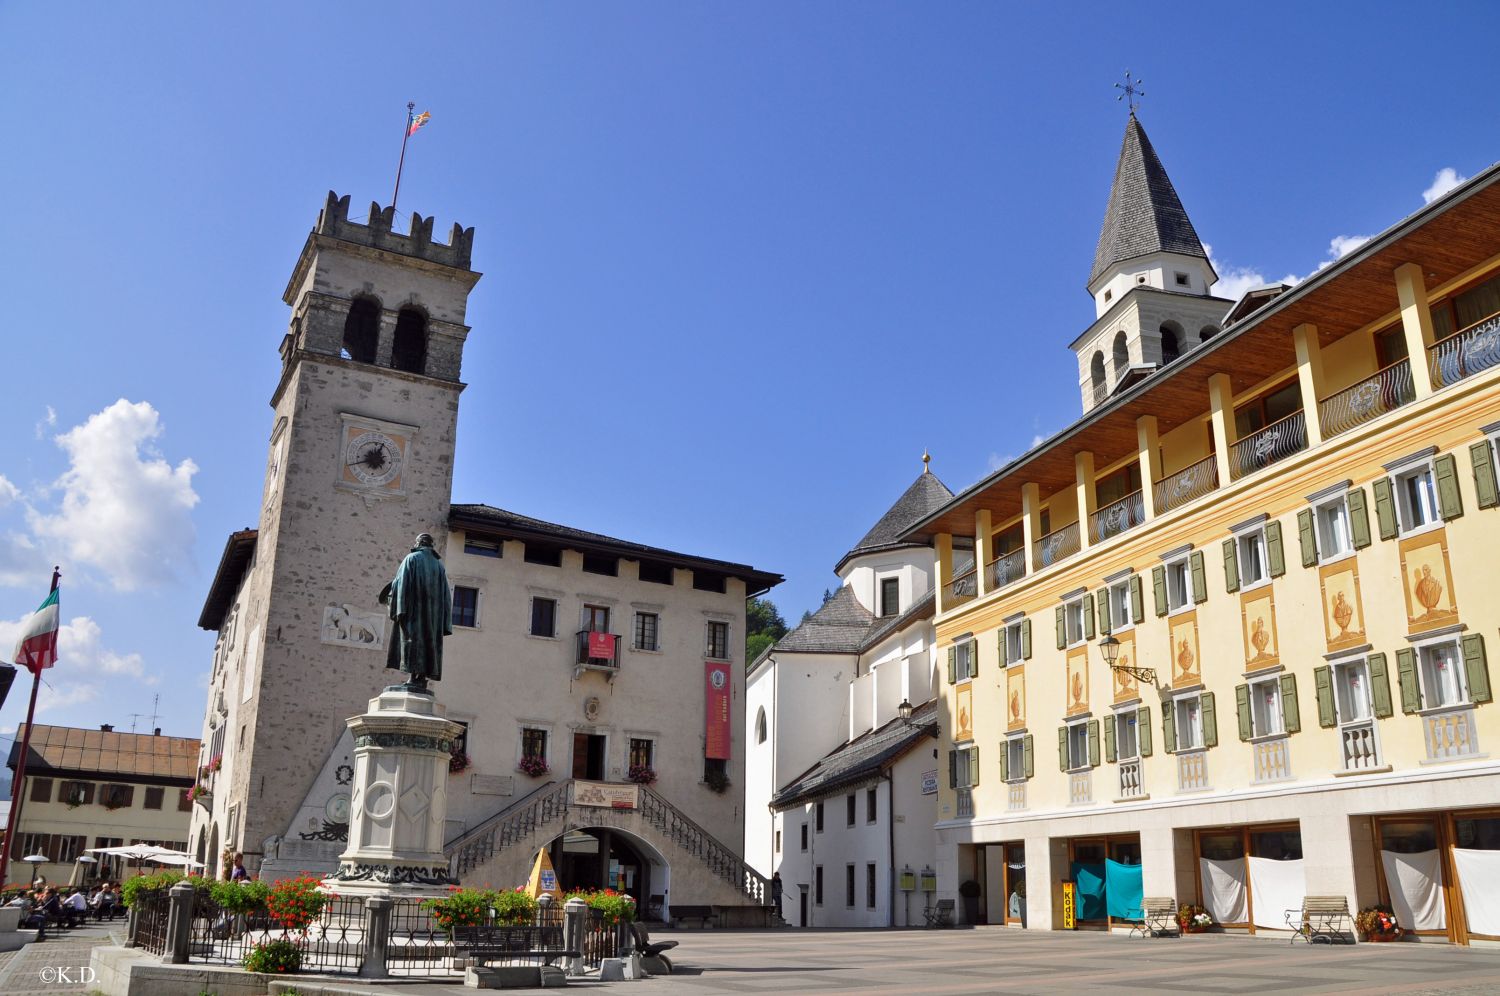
(360, 462)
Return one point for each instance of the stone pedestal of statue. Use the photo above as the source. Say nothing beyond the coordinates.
(399, 799)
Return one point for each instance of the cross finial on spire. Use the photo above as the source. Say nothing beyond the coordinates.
(1131, 89)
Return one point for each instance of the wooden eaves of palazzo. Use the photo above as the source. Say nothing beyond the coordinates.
(1446, 237)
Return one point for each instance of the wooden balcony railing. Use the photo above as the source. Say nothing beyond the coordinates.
(1384, 391)
(1116, 517)
(1187, 484)
(1465, 353)
(1264, 447)
(1056, 545)
(1005, 569)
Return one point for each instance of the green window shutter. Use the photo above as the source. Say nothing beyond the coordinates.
(1275, 551)
(1380, 685)
(1385, 507)
(974, 657)
(1000, 643)
(1200, 577)
(1027, 755)
(1450, 502)
(1242, 710)
(1159, 589)
(1291, 712)
(1359, 518)
(1486, 488)
(1104, 621)
(1143, 730)
(1109, 739)
(1406, 676)
(952, 665)
(1062, 628)
(1004, 761)
(1210, 721)
(1323, 684)
(1088, 617)
(1062, 748)
(1168, 728)
(953, 769)
(1231, 567)
(1025, 639)
(973, 766)
(1093, 743)
(1307, 537)
(1137, 604)
(1476, 669)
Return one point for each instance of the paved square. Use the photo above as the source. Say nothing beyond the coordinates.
(996, 960)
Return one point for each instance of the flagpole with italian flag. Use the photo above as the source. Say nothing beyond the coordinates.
(35, 651)
(414, 123)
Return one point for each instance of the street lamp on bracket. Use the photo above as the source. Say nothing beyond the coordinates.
(1110, 648)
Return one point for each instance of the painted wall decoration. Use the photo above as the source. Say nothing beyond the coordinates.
(1125, 686)
(1258, 626)
(1343, 611)
(352, 626)
(1015, 698)
(963, 718)
(1078, 681)
(1187, 669)
(1428, 582)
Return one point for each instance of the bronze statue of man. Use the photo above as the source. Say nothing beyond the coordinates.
(422, 606)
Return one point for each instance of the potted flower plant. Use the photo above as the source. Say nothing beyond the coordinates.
(458, 761)
(1378, 923)
(641, 774)
(1193, 919)
(532, 765)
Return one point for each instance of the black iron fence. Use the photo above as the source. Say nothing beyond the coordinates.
(150, 921)
(333, 945)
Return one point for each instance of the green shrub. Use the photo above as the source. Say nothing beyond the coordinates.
(513, 908)
(616, 907)
(131, 888)
(272, 957)
(236, 898)
(296, 902)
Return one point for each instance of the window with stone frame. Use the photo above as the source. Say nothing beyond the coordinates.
(534, 742)
(647, 628)
(1187, 711)
(465, 606)
(718, 640)
(1265, 707)
(543, 617)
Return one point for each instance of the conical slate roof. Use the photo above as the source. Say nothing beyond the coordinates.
(926, 495)
(1144, 213)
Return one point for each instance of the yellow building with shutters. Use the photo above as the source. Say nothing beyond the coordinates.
(1224, 639)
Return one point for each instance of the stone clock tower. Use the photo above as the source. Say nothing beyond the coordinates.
(360, 462)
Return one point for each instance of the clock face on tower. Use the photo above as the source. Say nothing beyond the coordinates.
(373, 456)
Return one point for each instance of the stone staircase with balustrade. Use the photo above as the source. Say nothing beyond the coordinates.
(704, 871)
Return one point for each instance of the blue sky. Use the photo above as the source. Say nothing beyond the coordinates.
(742, 262)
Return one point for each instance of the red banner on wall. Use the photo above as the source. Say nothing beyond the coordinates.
(602, 646)
(716, 712)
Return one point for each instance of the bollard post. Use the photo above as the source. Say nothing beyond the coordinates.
(132, 918)
(575, 927)
(544, 904)
(179, 922)
(377, 937)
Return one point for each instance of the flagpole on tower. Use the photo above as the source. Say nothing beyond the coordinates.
(13, 819)
(411, 107)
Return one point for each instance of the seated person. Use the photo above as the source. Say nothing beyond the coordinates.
(48, 909)
(75, 907)
(104, 902)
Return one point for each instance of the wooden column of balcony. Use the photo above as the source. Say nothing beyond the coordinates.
(1088, 498)
(1148, 445)
(1031, 524)
(944, 571)
(1221, 400)
(983, 552)
(1416, 322)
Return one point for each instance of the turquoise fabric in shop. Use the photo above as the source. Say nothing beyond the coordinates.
(1090, 880)
(1123, 887)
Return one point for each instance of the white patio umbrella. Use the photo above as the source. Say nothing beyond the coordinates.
(176, 859)
(135, 852)
(78, 868)
(35, 860)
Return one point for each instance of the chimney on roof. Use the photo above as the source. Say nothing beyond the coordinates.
(106, 728)
(156, 732)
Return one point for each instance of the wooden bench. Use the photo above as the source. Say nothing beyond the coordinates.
(481, 944)
(939, 915)
(1158, 918)
(1321, 916)
(703, 914)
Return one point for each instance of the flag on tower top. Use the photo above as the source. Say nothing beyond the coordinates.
(37, 648)
(417, 122)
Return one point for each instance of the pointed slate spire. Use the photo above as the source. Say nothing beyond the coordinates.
(926, 495)
(1144, 213)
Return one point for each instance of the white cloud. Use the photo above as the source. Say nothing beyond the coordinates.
(85, 666)
(1235, 281)
(47, 422)
(8, 491)
(124, 509)
(1446, 179)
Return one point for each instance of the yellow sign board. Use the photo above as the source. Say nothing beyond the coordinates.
(543, 877)
(1070, 906)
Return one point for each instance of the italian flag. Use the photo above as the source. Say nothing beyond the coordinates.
(37, 648)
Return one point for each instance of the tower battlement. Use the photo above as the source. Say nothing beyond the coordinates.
(377, 233)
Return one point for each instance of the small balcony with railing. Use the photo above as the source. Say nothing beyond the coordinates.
(1132, 784)
(1188, 484)
(598, 651)
(1271, 759)
(1059, 543)
(1360, 749)
(1006, 569)
(1117, 517)
(965, 585)
(1465, 353)
(1260, 449)
(1383, 391)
